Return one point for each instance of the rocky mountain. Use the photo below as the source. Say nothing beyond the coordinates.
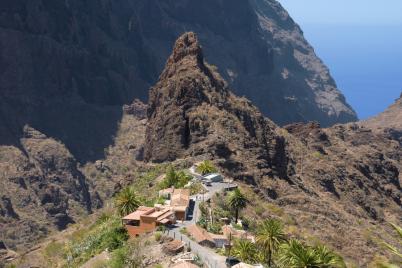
(68, 66)
(41, 190)
(388, 122)
(335, 182)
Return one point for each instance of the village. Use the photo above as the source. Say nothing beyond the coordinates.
(188, 221)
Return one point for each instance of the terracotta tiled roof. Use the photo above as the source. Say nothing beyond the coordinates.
(180, 197)
(199, 234)
(138, 213)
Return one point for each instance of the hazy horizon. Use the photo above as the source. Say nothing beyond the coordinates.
(361, 46)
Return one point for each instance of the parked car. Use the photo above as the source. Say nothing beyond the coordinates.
(231, 261)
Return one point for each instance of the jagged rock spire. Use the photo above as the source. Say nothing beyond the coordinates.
(187, 45)
(192, 112)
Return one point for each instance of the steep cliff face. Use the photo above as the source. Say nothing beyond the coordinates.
(76, 61)
(192, 112)
(332, 181)
(41, 190)
(300, 81)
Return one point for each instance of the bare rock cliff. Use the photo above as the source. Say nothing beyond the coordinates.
(192, 112)
(78, 62)
(41, 190)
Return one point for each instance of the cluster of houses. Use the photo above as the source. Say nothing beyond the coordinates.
(176, 208)
(147, 219)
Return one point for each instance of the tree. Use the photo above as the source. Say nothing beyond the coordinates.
(394, 250)
(237, 201)
(174, 178)
(270, 236)
(126, 201)
(245, 250)
(328, 258)
(391, 248)
(206, 167)
(295, 254)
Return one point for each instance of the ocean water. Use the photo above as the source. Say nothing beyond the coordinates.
(365, 61)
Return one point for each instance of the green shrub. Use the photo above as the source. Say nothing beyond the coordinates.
(158, 236)
(196, 188)
(178, 179)
(206, 167)
(54, 249)
(105, 235)
(215, 228)
(202, 222)
(161, 228)
(130, 255)
(119, 257)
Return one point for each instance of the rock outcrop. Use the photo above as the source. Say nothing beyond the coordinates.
(41, 189)
(334, 181)
(78, 62)
(191, 112)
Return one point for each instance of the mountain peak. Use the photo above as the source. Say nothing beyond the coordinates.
(187, 45)
(187, 57)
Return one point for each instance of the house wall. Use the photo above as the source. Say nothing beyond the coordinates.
(146, 225)
(180, 215)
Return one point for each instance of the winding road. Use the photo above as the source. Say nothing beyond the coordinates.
(207, 255)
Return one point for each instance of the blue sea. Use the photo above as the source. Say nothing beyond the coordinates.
(365, 61)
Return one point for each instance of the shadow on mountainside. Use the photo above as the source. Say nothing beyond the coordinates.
(85, 129)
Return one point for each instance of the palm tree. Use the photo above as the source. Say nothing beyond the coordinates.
(269, 237)
(391, 248)
(296, 255)
(206, 167)
(170, 178)
(245, 250)
(394, 250)
(328, 258)
(126, 201)
(237, 201)
(174, 178)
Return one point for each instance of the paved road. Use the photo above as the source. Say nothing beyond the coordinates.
(207, 255)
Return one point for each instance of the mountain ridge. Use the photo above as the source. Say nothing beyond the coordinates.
(76, 62)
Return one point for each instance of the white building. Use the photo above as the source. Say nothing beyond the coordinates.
(213, 177)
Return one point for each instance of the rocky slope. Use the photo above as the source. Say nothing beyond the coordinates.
(388, 122)
(336, 183)
(68, 66)
(41, 190)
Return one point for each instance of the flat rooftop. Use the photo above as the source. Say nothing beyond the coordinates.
(136, 215)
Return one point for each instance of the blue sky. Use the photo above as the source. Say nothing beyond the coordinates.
(361, 43)
(345, 11)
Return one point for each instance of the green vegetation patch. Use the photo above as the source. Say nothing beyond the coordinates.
(108, 234)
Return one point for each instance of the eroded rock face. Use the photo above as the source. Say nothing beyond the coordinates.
(192, 112)
(78, 62)
(42, 189)
(329, 179)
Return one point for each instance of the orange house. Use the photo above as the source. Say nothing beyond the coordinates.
(146, 219)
